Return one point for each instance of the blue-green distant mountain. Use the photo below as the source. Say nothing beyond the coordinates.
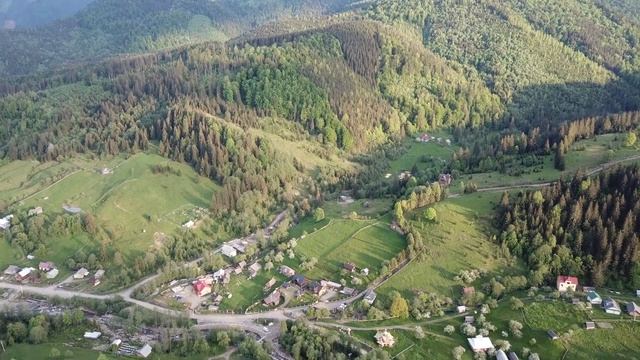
(32, 13)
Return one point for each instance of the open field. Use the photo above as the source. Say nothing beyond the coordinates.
(246, 291)
(365, 243)
(416, 151)
(430, 347)
(459, 240)
(133, 204)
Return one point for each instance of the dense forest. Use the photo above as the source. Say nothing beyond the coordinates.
(586, 227)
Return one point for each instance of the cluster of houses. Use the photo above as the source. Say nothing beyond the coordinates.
(95, 280)
(566, 283)
(122, 349)
(425, 138)
(28, 274)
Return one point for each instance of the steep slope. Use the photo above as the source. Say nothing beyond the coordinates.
(111, 27)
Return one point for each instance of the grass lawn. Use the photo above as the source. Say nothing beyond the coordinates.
(459, 240)
(41, 352)
(621, 342)
(365, 243)
(132, 204)
(416, 151)
(246, 291)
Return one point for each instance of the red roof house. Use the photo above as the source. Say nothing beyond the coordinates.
(566, 283)
(201, 288)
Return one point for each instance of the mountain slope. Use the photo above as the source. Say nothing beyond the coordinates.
(22, 14)
(110, 27)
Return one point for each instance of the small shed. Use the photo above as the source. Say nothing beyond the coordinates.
(589, 325)
(228, 251)
(93, 335)
(144, 351)
(81, 273)
(12, 270)
(552, 335)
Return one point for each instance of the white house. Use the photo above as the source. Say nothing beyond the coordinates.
(480, 343)
(566, 283)
(594, 298)
(81, 273)
(5, 222)
(144, 351)
(52, 274)
(228, 251)
(93, 335)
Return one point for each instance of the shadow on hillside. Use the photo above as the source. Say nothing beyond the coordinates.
(553, 103)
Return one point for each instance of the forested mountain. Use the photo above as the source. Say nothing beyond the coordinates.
(110, 27)
(23, 13)
(586, 227)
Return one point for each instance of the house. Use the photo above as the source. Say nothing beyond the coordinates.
(46, 266)
(269, 284)
(350, 267)
(384, 339)
(81, 273)
(24, 274)
(348, 291)
(219, 275)
(116, 343)
(611, 307)
(330, 284)
(5, 222)
(93, 335)
(565, 283)
(254, 269)
(500, 355)
(469, 319)
(512, 356)
(201, 288)
(594, 298)
(189, 224)
(468, 290)
(445, 180)
(424, 138)
(480, 344)
(241, 246)
(633, 309)
(287, 271)
(552, 335)
(316, 288)
(365, 272)
(12, 270)
(228, 251)
(52, 274)
(273, 299)
(144, 351)
(299, 280)
(35, 211)
(370, 297)
(461, 309)
(589, 325)
(97, 277)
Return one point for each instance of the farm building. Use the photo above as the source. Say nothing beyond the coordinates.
(97, 277)
(24, 274)
(348, 291)
(468, 290)
(633, 309)
(370, 297)
(565, 283)
(254, 269)
(445, 180)
(144, 351)
(52, 274)
(5, 222)
(589, 325)
(35, 211)
(500, 355)
(299, 280)
(12, 270)
(594, 298)
(350, 267)
(46, 266)
(611, 306)
(273, 299)
(201, 288)
(480, 344)
(270, 284)
(385, 339)
(81, 273)
(228, 251)
(287, 271)
(93, 335)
